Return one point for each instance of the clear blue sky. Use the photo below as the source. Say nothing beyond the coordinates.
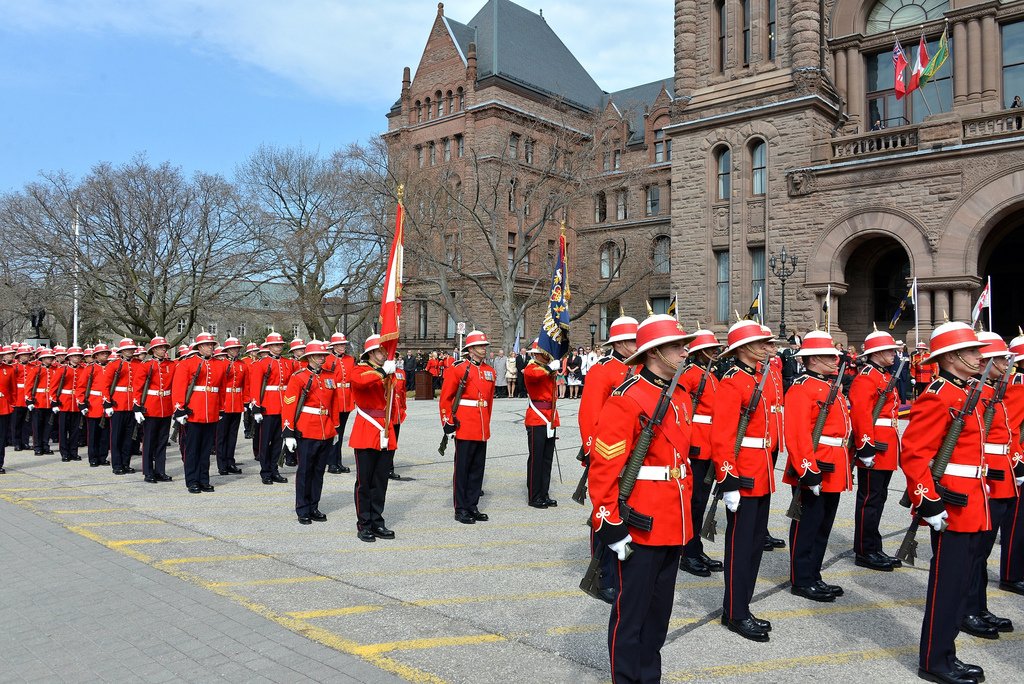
(202, 83)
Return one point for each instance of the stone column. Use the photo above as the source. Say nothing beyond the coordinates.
(855, 86)
(991, 59)
(961, 305)
(924, 308)
(959, 56)
(840, 69)
(942, 305)
(974, 65)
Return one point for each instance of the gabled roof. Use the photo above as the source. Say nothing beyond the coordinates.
(519, 46)
(634, 101)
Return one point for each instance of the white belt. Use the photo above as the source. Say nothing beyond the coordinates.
(974, 472)
(41, 389)
(21, 385)
(345, 384)
(701, 418)
(754, 442)
(158, 393)
(832, 441)
(314, 411)
(370, 419)
(232, 389)
(67, 391)
(95, 393)
(887, 422)
(997, 449)
(204, 388)
(121, 389)
(473, 403)
(661, 473)
(272, 388)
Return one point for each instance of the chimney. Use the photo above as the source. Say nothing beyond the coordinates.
(471, 63)
(406, 87)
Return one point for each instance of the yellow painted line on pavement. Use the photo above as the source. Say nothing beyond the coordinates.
(112, 523)
(433, 642)
(166, 540)
(32, 489)
(69, 497)
(332, 612)
(267, 582)
(724, 672)
(90, 511)
(89, 534)
(209, 559)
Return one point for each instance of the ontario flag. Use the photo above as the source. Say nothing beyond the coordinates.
(554, 331)
(899, 62)
(920, 64)
(391, 300)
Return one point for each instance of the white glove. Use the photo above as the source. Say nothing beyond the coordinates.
(181, 420)
(108, 412)
(937, 521)
(1020, 481)
(139, 418)
(816, 490)
(85, 411)
(291, 444)
(913, 381)
(619, 547)
(56, 408)
(555, 365)
(388, 366)
(258, 417)
(731, 500)
(30, 407)
(868, 462)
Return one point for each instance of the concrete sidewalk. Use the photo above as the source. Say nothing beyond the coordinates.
(72, 610)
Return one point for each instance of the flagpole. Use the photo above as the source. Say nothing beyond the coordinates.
(74, 316)
(828, 309)
(917, 317)
(923, 68)
(760, 305)
(989, 286)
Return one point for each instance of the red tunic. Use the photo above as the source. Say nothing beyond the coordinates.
(62, 387)
(1014, 402)
(930, 418)
(753, 464)
(206, 394)
(20, 374)
(700, 439)
(276, 371)
(236, 378)
(775, 397)
(998, 454)
(474, 411)
(666, 500)
(369, 388)
(39, 379)
(865, 389)
(157, 402)
(6, 389)
(541, 392)
(831, 459)
(342, 368)
(602, 379)
(319, 416)
(90, 382)
(129, 381)
(399, 408)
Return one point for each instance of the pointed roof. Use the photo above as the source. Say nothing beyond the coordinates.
(636, 100)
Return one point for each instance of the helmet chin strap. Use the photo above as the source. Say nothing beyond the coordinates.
(673, 366)
(973, 367)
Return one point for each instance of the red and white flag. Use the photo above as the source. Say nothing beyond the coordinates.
(899, 62)
(920, 64)
(984, 302)
(391, 301)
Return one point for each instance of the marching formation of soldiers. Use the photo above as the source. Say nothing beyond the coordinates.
(668, 430)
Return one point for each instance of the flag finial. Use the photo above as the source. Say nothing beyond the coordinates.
(562, 226)
(401, 192)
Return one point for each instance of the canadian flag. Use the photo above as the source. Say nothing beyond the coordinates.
(919, 66)
(391, 301)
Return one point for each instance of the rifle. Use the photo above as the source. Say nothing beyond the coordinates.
(189, 391)
(455, 405)
(710, 527)
(997, 397)
(795, 509)
(580, 495)
(263, 383)
(117, 376)
(627, 480)
(32, 394)
(298, 409)
(60, 385)
(88, 388)
(145, 391)
(908, 549)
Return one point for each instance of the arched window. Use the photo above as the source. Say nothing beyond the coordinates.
(889, 16)
(723, 172)
(430, 110)
(661, 250)
(419, 111)
(758, 167)
(460, 97)
(451, 102)
(611, 257)
(439, 99)
(600, 208)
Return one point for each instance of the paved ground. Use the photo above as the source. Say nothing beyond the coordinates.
(494, 602)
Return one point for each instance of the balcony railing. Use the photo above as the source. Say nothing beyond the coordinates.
(875, 143)
(1000, 124)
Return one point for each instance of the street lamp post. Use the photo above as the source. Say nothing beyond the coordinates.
(782, 268)
(593, 332)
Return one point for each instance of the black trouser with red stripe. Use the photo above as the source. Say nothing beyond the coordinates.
(270, 439)
(976, 599)
(744, 546)
(953, 558)
(538, 464)
(121, 424)
(41, 429)
(371, 488)
(312, 455)
(68, 425)
(334, 459)
(97, 440)
(5, 424)
(227, 440)
(698, 504)
(199, 440)
(1011, 565)
(468, 480)
(154, 446)
(872, 492)
(640, 615)
(808, 537)
(19, 431)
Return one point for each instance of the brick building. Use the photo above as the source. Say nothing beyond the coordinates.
(763, 139)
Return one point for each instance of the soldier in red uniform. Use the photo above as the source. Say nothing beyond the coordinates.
(647, 561)
(921, 370)
(266, 390)
(200, 411)
(153, 410)
(341, 366)
(470, 422)
(957, 531)
(22, 363)
(774, 392)
(90, 403)
(541, 420)
(702, 386)
(877, 445)
(1011, 565)
(119, 385)
(6, 395)
(746, 478)
(373, 438)
(236, 390)
(602, 379)
(820, 474)
(37, 399)
(310, 411)
(1002, 493)
(62, 399)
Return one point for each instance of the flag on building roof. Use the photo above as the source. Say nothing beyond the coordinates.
(554, 330)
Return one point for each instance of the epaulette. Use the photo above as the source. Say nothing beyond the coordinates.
(626, 384)
(801, 379)
(459, 363)
(935, 385)
(1017, 379)
(603, 360)
(866, 370)
(731, 372)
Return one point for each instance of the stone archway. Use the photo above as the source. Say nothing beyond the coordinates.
(999, 259)
(876, 274)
